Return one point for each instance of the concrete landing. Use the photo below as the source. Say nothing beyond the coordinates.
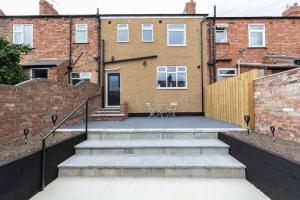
(149, 189)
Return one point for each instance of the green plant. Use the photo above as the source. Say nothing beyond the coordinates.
(11, 72)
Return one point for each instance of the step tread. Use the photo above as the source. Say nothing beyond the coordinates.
(151, 161)
(108, 115)
(142, 143)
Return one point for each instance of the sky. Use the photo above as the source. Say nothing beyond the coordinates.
(224, 7)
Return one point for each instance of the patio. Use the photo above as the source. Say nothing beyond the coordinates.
(146, 123)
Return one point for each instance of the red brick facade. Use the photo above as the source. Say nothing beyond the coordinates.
(31, 105)
(277, 103)
(281, 38)
(51, 38)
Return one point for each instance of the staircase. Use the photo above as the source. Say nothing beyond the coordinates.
(152, 153)
(107, 114)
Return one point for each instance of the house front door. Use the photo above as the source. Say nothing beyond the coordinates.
(113, 89)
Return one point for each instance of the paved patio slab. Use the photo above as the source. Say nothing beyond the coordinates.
(149, 189)
(158, 123)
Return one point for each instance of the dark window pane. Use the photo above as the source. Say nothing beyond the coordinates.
(171, 80)
(181, 79)
(39, 73)
(161, 79)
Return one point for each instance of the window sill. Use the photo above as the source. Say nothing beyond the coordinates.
(80, 43)
(147, 41)
(176, 45)
(123, 41)
(257, 48)
(222, 43)
(184, 88)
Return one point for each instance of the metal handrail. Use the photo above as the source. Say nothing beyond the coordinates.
(86, 103)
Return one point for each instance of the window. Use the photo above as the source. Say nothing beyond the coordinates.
(81, 35)
(256, 35)
(171, 77)
(23, 34)
(39, 73)
(176, 34)
(147, 33)
(123, 34)
(224, 73)
(82, 76)
(221, 33)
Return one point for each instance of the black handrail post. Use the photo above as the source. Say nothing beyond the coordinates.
(43, 164)
(86, 116)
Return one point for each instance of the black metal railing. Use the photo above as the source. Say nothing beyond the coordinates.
(86, 104)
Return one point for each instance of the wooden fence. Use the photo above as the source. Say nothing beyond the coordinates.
(231, 99)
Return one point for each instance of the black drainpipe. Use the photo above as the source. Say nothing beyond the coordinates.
(98, 47)
(202, 64)
(103, 72)
(70, 49)
(214, 46)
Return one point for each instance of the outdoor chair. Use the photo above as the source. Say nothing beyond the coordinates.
(153, 112)
(171, 109)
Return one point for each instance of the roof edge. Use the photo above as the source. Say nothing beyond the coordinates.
(257, 17)
(104, 15)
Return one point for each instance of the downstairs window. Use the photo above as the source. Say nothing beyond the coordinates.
(171, 77)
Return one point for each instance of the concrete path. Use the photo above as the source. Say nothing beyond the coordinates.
(149, 189)
(155, 123)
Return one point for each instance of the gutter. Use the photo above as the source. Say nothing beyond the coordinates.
(98, 47)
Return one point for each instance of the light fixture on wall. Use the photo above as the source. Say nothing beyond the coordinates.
(54, 119)
(25, 132)
(145, 64)
(272, 128)
(247, 120)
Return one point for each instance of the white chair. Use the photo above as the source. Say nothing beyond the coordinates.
(171, 109)
(153, 112)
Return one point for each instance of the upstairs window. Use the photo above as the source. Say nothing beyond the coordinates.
(81, 35)
(176, 34)
(256, 35)
(23, 34)
(123, 33)
(82, 76)
(171, 77)
(221, 33)
(147, 32)
(224, 73)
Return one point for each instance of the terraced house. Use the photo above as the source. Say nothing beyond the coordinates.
(134, 58)
(240, 44)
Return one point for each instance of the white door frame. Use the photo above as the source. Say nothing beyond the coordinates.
(106, 88)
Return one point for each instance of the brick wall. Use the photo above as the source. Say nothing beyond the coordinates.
(277, 103)
(31, 105)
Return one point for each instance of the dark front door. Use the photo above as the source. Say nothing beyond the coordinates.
(113, 89)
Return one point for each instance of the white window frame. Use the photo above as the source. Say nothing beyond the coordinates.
(81, 30)
(23, 33)
(147, 29)
(177, 30)
(226, 75)
(122, 29)
(257, 31)
(225, 26)
(172, 88)
(80, 78)
(39, 68)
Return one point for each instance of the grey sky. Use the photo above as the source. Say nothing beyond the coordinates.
(224, 7)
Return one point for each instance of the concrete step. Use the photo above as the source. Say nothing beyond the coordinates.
(146, 147)
(107, 112)
(150, 134)
(109, 109)
(200, 166)
(107, 116)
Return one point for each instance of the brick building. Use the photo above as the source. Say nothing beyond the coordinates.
(64, 46)
(244, 43)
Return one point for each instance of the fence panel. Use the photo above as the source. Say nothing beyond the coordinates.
(231, 99)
